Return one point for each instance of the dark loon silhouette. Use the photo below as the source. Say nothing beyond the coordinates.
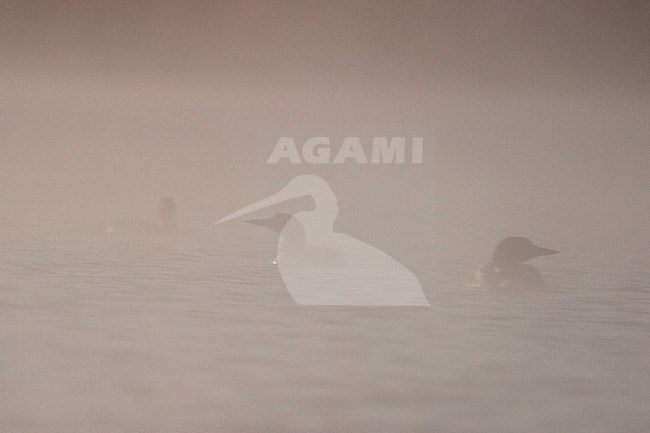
(508, 267)
(166, 216)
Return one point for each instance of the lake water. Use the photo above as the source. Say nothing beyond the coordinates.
(198, 334)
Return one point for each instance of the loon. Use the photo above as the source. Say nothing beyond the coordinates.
(166, 216)
(508, 267)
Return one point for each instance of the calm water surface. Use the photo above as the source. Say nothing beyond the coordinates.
(198, 334)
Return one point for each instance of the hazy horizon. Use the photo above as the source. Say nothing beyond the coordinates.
(539, 112)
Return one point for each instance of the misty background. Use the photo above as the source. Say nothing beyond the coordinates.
(535, 116)
(539, 110)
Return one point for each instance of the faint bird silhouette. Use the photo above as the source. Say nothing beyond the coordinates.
(166, 216)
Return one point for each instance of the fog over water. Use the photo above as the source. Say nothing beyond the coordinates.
(109, 107)
(535, 118)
